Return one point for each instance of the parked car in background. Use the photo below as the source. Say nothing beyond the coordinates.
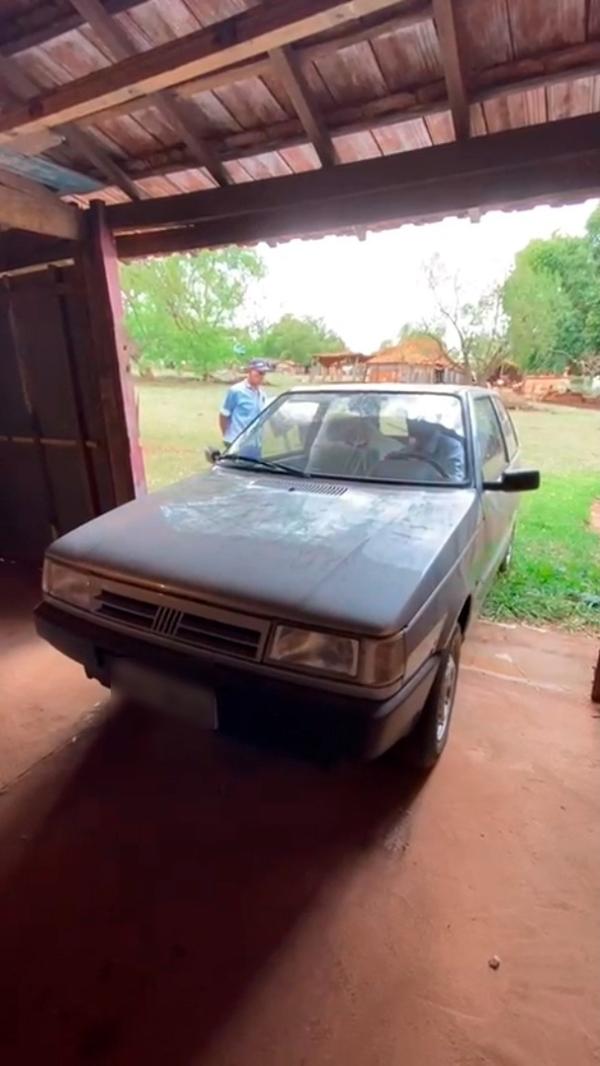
(330, 561)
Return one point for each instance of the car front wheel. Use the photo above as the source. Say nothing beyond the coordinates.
(431, 731)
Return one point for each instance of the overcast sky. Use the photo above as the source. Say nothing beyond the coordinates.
(367, 289)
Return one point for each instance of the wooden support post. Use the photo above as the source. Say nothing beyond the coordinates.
(102, 295)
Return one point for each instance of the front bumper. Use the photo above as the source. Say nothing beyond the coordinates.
(251, 703)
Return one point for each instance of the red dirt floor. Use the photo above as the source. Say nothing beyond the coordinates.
(172, 898)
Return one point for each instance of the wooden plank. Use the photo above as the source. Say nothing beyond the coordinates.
(178, 115)
(42, 23)
(36, 211)
(517, 147)
(286, 66)
(240, 37)
(452, 63)
(97, 260)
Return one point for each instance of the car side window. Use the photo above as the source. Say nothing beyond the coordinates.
(510, 433)
(489, 440)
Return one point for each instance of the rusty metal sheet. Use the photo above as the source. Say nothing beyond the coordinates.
(403, 137)
(409, 57)
(537, 25)
(352, 74)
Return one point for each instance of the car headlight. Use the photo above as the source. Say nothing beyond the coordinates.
(72, 586)
(307, 649)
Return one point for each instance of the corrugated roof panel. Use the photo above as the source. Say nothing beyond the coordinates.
(403, 137)
(409, 57)
(539, 25)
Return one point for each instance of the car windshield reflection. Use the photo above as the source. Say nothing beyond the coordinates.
(405, 437)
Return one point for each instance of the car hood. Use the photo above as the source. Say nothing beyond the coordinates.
(361, 558)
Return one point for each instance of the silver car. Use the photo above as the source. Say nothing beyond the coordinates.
(325, 568)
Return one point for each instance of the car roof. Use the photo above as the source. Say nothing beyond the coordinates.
(392, 386)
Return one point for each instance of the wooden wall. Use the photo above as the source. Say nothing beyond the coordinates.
(56, 467)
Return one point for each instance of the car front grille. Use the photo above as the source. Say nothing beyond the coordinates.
(179, 626)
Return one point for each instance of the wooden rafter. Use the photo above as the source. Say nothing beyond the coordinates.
(21, 87)
(445, 23)
(255, 68)
(176, 112)
(26, 205)
(286, 66)
(244, 36)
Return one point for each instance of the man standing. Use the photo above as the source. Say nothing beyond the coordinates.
(243, 402)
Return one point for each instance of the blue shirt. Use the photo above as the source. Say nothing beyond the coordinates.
(241, 406)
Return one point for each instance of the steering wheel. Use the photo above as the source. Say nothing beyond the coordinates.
(421, 459)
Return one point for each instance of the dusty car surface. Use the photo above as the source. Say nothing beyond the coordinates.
(330, 561)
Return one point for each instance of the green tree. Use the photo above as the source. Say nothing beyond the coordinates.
(552, 299)
(476, 329)
(299, 339)
(183, 311)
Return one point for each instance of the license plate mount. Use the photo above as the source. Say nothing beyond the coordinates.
(161, 691)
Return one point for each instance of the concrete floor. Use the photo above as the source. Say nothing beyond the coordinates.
(169, 898)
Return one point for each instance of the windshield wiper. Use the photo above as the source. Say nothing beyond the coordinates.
(263, 464)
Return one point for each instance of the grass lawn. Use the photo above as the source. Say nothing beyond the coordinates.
(555, 576)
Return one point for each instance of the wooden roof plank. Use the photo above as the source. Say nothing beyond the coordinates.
(540, 26)
(242, 37)
(453, 66)
(178, 114)
(31, 29)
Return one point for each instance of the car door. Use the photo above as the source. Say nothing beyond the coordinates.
(492, 457)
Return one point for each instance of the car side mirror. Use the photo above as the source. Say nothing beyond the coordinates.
(514, 481)
(211, 455)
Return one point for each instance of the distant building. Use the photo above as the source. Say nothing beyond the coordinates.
(339, 366)
(418, 359)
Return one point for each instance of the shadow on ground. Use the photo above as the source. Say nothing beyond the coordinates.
(149, 872)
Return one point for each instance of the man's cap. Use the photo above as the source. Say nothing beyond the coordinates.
(260, 365)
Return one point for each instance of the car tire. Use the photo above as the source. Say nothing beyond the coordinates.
(433, 726)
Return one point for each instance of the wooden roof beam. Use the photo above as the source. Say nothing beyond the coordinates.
(285, 64)
(28, 206)
(445, 23)
(244, 36)
(176, 112)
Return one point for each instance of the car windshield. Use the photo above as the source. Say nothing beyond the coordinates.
(406, 437)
